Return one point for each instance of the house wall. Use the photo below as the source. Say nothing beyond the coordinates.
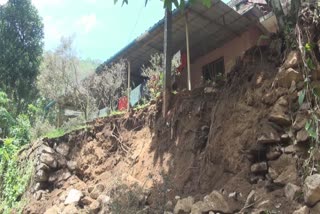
(230, 51)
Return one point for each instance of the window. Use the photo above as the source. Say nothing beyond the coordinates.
(213, 70)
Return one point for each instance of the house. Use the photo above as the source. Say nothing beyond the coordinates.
(218, 36)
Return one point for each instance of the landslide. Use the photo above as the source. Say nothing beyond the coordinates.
(211, 139)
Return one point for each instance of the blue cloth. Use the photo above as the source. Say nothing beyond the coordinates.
(136, 94)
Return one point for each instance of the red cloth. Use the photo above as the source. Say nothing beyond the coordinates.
(183, 62)
(123, 103)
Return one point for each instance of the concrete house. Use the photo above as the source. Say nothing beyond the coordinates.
(218, 36)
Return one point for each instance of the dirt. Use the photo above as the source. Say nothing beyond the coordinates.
(201, 145)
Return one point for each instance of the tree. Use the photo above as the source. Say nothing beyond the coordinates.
(168, 3)
(21, 33)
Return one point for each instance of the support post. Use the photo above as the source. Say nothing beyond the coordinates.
(129, 87)
(188, 52)
(167, 60)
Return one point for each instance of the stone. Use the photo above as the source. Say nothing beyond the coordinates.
(38, 195)
(293, 60)
(273, 154)
(48, 159)
(285, 77)
(70, 209)
(278, 114)
(282, 163)
(45, 149)
(63, 149)
(213, 202)
(86, 200)
(272, 173)
(94, 207)
(209, 90)
(302, 210)
(98, 190)
(168, 206)
(290, 174)
(293, 149)
(53, 210)
(233, 195)
(60, 175)
(183, 205)
(315, 209)
(104, 200)
(72, 165)
(302, 136)
(42, 166)
(73, 197)
(259, 167)
(291, 191)
(41, 176)
(300, 121)
(268, 135)
(311, 189)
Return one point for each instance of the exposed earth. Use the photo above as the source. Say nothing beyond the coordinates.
(231, 147)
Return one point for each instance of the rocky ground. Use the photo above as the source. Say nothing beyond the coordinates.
(237, 147)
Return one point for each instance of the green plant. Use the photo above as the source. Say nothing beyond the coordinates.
(15, 176)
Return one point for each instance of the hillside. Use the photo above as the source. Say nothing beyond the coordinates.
(232, 148)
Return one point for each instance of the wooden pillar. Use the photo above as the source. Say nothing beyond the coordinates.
(188, 52)
(167, 60)
(129, 87)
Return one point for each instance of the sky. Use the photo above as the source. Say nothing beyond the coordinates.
(100, 28)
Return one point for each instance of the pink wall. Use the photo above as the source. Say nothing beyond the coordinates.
(230, 51)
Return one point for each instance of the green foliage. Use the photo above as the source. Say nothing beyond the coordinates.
(21, 130)
(15, 176)
(21, 33)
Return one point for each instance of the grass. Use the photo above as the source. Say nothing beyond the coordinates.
(60, 132)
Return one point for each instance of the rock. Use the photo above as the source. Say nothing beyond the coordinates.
(42, 166)
(63, 149)
(315, 209)
(311, 189)
(98, 190)
(302, 210)
(273, 154)
(73, 197)
(300, 121)
(45, 149)
(38, 195)
(70, 209)
(302, 136)
(291, 191)
(293, 60)
(209, 90)
(294, 149)
(183, 205)
(168, 206)
(48, 159)
(53, 210)
(273, 173)
(60, 175)
(72, 165)
(94, 207)
(259, 167)
(290, 174)
(285, 77)
(268, 135)
(278, 114)
(213, 202)
(41, 176)
(233, 195)
(86, 200)
(281, 164)
(104, 200)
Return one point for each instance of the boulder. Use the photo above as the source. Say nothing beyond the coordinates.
(53, 210)
(73, 197)
(293, 60)
(285, 77)
(302, 136)
(213, 202)
(300, 121)
(259, 167)
(292, 191)
(60, 175)
(184, 205)
(290, 174)
(41, 176)
(70, 209)
(63, 149)
(268, 135)
(302, 210)
(278, 114)
(97, 191)
(311, 189)
(48, 159)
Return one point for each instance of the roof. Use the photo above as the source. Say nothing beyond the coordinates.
(209, 28)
